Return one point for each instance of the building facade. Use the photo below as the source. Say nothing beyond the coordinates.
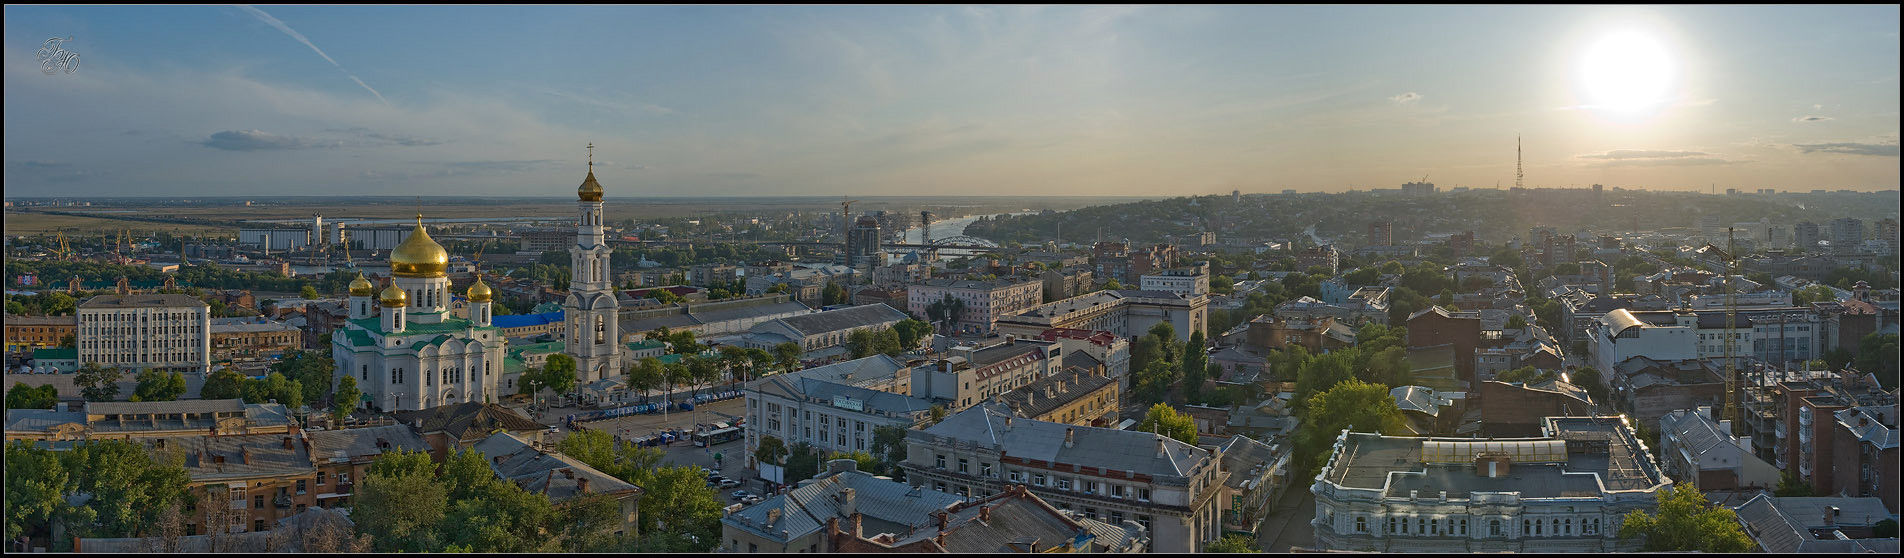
(25, 333)
(594, 338)
(164, 331)
(985, 301)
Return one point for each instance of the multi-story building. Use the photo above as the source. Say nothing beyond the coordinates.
(707, 274)
(25, 333)
(1013, 521)
(829, 414)
(1125, 313)
(1887, 232)
(1169, 487)
(253, 338)
(1651, 388)
(710, 319)
(1068, 281)
(1434, 326)
(1126, 264)
(451, 428)
(1070, 396)
(1105, 347)
(1695, 449)
(1668, 335)
(165, 331)
(541, 240)
(1846, 234)
(1187, 281)
(862, 244)
(1817, 525)
(1324, 256)
(970, 375)
(1354, 313)
(1566, 491)
(985, 301)
(1381, 233)
(1319, 335)
(1839, 434)
(99, 420)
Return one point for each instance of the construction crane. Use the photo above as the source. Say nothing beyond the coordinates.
(62, 251)
(1732, 392)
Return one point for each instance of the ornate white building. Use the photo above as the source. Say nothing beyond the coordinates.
(594, 337)
(405, 349)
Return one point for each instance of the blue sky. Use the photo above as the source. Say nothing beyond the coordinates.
(994, 100)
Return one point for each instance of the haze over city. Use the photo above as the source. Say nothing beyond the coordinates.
(999, 100)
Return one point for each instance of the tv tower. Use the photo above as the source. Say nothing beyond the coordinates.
(1517, 162)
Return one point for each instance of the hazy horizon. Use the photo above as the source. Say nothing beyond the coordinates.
(1064, 101)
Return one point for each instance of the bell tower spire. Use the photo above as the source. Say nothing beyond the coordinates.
(590, 312)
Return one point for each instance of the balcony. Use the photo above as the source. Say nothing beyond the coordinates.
(283, 502)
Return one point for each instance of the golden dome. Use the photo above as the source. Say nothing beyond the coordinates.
(394, 297)
(361, 287)
(418, 256)
(590, 191)
(479, 292)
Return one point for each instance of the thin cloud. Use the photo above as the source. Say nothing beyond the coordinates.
(259, 140)
(1408, 98)
(1653, 157)
(630, 107)
(274, 22)
(1850, 148)
(1804, 119)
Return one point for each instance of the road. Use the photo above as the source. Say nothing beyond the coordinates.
(1287, 525)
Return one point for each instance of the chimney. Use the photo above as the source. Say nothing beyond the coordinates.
(832, 523)
(940, 540)
(856, 523)
(774, 515)
(497, 459)
(1831, 516)
(581, 485)
(1008, 423)
(945, 518)
(1011, 339)
(1162, 449)
(1067, 437)
(985, 513)
(849, 503)
(568, 473)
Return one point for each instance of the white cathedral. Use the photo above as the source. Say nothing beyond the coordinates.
(409, 353)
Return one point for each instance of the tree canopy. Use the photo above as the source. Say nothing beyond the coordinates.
(1687, 522)
(1166, 420)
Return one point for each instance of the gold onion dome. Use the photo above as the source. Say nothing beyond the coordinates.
(394, 297)
(590, 191)
(361, 287)
(479, 292)
(418, 256)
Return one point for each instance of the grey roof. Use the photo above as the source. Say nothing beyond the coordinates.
(1395, 465)
(815, 389)
(165, 407)
(245, 456)
(468, 421)
(1104, 448)
(692, 318)
(1051, 392)
(854, 372)
(351, 443)
(143, 301)
(1073, 304)
(1783, 525)
(243, 325)
(1002, 352)
(37, 420)
(842, 319)
(1419, 399)
(1696, 434)
(1014, 519)
(885, 504)
(1242, 454)
(249, 542)
(971, 284)
(551, 474)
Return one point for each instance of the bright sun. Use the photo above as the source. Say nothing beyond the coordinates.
(1626, 74)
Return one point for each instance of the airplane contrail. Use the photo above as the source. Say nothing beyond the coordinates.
(274, 22)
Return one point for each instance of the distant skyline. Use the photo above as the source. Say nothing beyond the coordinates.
(1153, 101)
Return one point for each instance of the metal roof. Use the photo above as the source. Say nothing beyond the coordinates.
(1105, 448)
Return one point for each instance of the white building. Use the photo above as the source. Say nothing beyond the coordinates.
(1668, 335)
(406, 350)
(1567, 491)
(594, 337)
(1188, 281)
(168, 331)
(985, 302)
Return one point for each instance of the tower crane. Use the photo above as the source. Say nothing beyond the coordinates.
(1732, 392)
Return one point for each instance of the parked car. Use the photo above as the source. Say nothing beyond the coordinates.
(729, 483)
(555, 430)
(740, 495)
(751, 499)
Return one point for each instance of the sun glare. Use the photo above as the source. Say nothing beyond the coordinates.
(1625, 75)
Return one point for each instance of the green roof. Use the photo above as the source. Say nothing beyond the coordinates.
(513, 364)
(358, 338)
(438, 340)
(548, 347)
(55, 354)
(449, 325)
(645, 344)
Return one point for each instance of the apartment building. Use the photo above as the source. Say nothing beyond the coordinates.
(559, 477)
(969, 375)
(166, 331)
(1125, 313)
(1070, 396)
(985, 301)
(118, 420)
(1696, 449)
(828, 414)
(795, 521)
(25, 333)
(1665, 335)
(1187, 281)
(1566, 491)
(819, 331)
(253, 338)
(1171, 488)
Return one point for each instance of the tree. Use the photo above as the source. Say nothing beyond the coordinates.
(860, 343)
(312, 370)
(803, 462)
(98, 383)
(69, 341)
(1588, 378)
(309, 292)
(23, 396)
(1789, 485)
(345, 399)
(1524, 374)
(129, 486)
(223, 384)
(910, 332)
(946, 311)
(889, 444)
(1877, 355)
(832, 294)
(1234, 544)
(159, 385)
(1112, 285)
(647, 374)
(401, 492)
(275, 387)
(586, 520)
(1352, 404)
(558, 374)
(36, 486)
(1323, 372)
(1164, 419)
(1686, 522)
(677, 499)
(787, 355)
(1516, 321)
(772, 450)
(1814, 293)
(935, 414)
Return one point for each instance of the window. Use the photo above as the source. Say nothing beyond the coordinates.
(940, 462)
(1117, 491)
(1555, 530)
(1143, 495)
(938, 485)
(300, 486)
(257, 502)
(320, 478)
(1590, 526)
(1361, 524)
(1038, 479)
(1117, 517)
(1064, 484)
(1391, 526)
(1464, 527)
(1017, 476)
(1144, 520)
(1090, 512)
(985, 470)
(964, 465)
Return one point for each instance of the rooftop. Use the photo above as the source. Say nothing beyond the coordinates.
(842, 319)
(887, 506)
(1569, 463)
(557, 476)
(143, 301)
(467, 421)
(1103, 448)
(1052, 392)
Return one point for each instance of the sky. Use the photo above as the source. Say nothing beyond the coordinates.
(937, 100)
